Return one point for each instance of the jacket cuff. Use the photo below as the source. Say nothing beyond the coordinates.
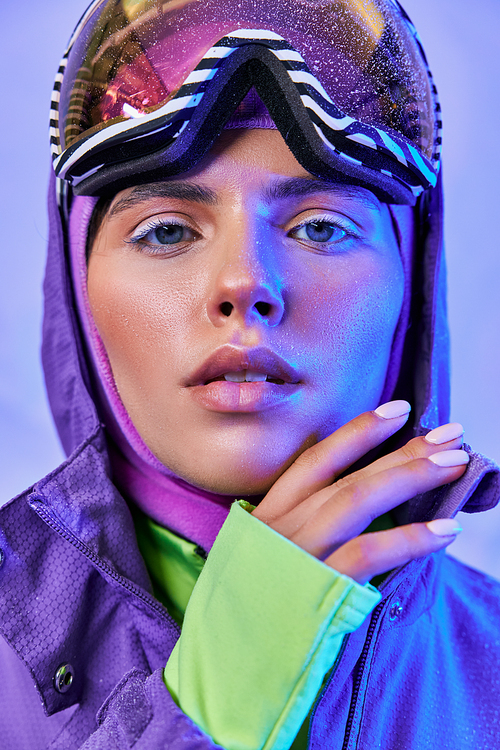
(262, 628)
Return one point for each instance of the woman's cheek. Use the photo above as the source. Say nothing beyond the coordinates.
(349, 328)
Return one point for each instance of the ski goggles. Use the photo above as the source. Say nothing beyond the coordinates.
(146, 87)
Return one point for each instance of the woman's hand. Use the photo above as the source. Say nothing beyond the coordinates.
(325, 515)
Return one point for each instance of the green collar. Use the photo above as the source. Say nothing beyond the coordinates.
(173, 563)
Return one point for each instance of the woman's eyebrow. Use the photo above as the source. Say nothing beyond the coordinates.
(295, 187)
(178, 190)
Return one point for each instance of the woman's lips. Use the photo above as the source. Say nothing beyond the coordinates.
(266, 380)
(230, 359)
(224, 396)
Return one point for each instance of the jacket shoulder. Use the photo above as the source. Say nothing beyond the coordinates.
(469, 582)
(472, 599)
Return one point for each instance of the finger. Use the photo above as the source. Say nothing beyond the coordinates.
(370, 555)
(444, 438)
(320, 464)
(351, 509)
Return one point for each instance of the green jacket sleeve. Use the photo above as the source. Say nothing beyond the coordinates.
(263, 626)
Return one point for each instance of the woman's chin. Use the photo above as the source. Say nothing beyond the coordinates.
(243, 463)
(238, 484)
(238, 478)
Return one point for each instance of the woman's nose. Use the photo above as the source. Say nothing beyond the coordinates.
(247, 286)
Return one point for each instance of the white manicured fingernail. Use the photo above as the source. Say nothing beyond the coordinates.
(393, 409)
(450, 458)
(445, 433)
(444, 527)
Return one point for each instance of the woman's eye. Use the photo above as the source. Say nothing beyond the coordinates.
(164, 235)
(319, 231)
(169, 235)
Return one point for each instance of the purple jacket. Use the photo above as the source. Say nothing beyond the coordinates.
(84, 641)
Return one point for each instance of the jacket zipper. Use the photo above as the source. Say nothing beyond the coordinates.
(359, 672)
(56, 525)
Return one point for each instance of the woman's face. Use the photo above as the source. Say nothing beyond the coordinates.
(247, 309)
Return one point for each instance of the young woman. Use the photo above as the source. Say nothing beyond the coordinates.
(244, 296)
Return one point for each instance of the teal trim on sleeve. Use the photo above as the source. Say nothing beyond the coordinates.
(262, 628)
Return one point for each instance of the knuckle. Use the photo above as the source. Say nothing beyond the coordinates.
(351, 494)
(361, 557)
(421, 471)
(362, 426)
(412, 449)
(367, 548)
(407, 542)
(310, 459)
(366, 421)
(412, 542)
(344, 482)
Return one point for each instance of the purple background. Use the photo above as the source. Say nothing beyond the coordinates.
(462, 44)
